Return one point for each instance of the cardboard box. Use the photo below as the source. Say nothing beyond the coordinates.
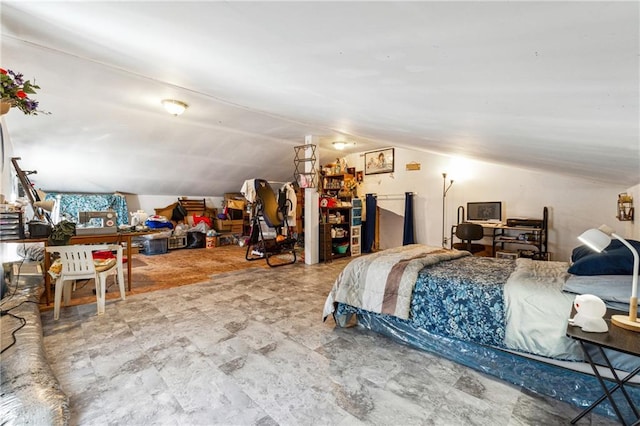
(228, 225)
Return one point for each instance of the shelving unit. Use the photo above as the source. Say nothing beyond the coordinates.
(305, 176)
(334, 231)
(356, 226)
(529, 241)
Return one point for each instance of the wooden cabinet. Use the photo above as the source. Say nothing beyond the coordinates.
(336, 185)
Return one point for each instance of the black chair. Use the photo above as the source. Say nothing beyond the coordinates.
(269, 227)
(469, 232)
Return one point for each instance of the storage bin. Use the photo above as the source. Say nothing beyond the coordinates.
(196, 240)
(155, 246)
(177, 242)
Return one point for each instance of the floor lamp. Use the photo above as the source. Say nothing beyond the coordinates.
(445, 189)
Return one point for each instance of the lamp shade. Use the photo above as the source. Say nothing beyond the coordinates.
(174, 107)
(595, 239)
(45, 205)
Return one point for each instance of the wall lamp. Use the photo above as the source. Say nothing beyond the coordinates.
(174, 107)
(598, 240)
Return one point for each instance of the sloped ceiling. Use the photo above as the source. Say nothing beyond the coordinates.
(542, 85)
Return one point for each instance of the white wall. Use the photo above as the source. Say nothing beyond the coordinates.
(574, 204)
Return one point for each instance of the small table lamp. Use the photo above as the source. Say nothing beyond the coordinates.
(598, 240)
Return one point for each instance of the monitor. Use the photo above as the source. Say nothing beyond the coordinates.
(488, 211)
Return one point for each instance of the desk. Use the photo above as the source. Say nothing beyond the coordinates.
(116, 238)
(535, 238)
(617, 339)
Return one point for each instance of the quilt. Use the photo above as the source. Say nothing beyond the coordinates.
(383, 282)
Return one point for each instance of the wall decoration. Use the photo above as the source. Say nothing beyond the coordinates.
(378, 162)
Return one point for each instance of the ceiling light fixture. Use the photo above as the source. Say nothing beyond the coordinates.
(340, 145)
(174, 107)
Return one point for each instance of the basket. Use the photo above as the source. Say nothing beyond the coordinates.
(341, 248)
(177, 242)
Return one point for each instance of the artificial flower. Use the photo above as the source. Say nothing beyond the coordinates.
(15, 91)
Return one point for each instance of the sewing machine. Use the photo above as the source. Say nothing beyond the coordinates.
(92, 223)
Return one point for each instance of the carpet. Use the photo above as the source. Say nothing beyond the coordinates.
(173, 269)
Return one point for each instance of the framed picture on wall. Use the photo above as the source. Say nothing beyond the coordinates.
(378, 162)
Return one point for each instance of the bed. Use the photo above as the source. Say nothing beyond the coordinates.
(504, 317)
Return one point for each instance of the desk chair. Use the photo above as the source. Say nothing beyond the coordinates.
(78, 263)
(469, 232)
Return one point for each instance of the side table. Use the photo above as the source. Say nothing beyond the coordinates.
(617, 339)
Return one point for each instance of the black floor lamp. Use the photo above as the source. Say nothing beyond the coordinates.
(445, 189)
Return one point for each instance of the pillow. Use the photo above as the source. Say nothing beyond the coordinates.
(615, 290)
(616, 259)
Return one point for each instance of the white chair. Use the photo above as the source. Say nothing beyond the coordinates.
(77, 263)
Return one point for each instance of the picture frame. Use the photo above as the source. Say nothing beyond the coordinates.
(381, 161)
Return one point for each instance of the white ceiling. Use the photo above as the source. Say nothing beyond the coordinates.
(544, 85)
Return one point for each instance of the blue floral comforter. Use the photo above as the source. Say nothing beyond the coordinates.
(460, 298)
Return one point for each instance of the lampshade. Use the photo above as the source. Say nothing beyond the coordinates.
(45, 205)
(174, 107)
(598, 240)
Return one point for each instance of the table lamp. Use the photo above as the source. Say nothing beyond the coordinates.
(598, 240)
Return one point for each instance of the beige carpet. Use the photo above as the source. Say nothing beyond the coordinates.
(173, 269)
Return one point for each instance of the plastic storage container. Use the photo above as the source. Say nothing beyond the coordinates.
(155, 246)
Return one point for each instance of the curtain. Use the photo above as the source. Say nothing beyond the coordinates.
(370, 224)
(408, 233)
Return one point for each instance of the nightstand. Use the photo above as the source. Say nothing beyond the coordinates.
(617, 339)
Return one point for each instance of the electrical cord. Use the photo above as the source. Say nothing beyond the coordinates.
(23, 322)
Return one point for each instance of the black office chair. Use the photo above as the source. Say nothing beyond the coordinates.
(469, 232)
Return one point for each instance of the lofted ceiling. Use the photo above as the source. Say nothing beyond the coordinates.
(550, 86)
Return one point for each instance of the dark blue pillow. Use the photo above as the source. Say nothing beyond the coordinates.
(616, 259)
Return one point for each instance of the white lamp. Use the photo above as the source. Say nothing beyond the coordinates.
(598, 240)
(174, 107)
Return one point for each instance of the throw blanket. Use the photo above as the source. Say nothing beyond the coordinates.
(538, 310)
(383, 282)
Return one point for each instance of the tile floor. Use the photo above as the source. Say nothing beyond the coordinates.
(249, 348)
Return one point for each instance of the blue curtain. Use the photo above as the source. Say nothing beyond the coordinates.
(370, 225)
(408, 234)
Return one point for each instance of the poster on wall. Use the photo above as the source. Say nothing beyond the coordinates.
(378, 161)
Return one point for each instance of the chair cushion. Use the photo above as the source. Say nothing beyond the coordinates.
(104, 264)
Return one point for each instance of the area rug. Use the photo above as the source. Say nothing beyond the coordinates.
(172, 269)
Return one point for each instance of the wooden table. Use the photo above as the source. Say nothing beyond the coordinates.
(116, 238)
